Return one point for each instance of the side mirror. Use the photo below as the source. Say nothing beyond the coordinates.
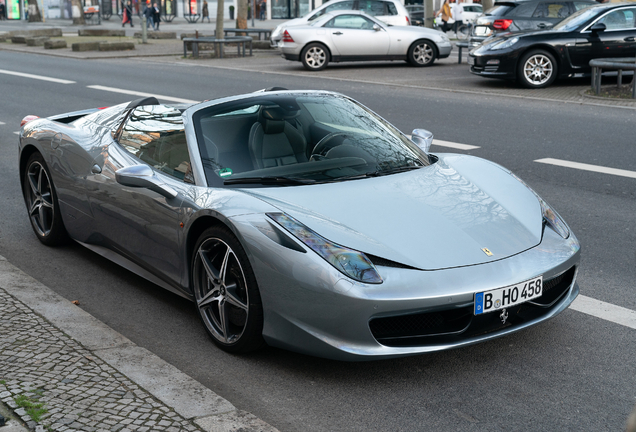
(422, 138)
(144, 177)
(376, 27)
(598, 27)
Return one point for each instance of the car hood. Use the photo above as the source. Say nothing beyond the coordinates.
(436, 217)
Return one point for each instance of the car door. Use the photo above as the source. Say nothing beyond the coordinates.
(549, 13)
(619, 37)
(136, 222)
(355, 36)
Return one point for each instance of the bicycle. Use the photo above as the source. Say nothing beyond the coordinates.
(464, 31)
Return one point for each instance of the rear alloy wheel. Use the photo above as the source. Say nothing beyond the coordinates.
(422, 53)
(226, 292)
(41, 201)
(537, 69)
(315, 57)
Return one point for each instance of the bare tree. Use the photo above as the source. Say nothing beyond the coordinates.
(34, 11)
(241, 14)
(78, 12)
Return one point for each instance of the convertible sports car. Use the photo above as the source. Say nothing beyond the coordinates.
(355, 36)
(303, 220)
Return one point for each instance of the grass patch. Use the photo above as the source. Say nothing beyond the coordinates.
(33, 408)
(3, 382)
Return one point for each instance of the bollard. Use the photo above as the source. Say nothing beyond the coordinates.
(144, 30)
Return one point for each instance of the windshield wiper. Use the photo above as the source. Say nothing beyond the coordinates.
(393, 170)
(269, 180)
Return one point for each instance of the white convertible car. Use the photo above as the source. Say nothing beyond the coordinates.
(355, 36)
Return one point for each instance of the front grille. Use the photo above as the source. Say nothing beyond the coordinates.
(456, 324)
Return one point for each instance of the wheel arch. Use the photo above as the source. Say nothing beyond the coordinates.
(330, 59)
(432, 42)
(545, 47)
(25, 154)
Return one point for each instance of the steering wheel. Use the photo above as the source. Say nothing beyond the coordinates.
(320, 151)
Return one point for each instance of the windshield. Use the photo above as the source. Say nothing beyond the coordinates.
(576, 20)
(299, 138)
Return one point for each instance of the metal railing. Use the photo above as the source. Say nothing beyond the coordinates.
(617, 64)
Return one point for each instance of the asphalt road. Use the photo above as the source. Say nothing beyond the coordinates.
(575, 372)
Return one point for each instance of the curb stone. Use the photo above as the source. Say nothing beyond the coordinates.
(92, 378)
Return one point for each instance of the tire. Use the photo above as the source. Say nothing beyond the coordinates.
(42, 204)
(537, 69)
(315, 57)
(226, 292)
(422, 53)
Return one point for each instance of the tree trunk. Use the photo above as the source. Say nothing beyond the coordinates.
(241, 14)
(34, 11)
(219, 23)
(78, 12)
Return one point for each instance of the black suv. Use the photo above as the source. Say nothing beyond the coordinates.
(524, 15)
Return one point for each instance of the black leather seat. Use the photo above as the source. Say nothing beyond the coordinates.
(274, 142)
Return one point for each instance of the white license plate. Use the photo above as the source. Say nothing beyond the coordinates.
(471, 60)
(500, 298)
(481, 31)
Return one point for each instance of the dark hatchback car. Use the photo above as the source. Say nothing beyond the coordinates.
(536, 59)
(523, 15)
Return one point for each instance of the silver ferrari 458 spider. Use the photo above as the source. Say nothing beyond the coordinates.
(302, 220)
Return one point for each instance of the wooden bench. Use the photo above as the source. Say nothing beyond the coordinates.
(239, 40)
(263, 34)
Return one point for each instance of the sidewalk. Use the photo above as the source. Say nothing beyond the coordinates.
(63, 370)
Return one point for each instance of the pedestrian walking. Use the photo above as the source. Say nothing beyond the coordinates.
(262, 6)
(445, 10)
(156, 15)
(149, 14)
(2, 12)
(204, 12)
(458, 15)
(127, 12)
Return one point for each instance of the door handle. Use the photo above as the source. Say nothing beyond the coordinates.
(629, 39)
(338, 33)
(96, 169)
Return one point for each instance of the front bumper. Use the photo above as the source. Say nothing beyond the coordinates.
(444, 49)
(493, 64)
(310, 307)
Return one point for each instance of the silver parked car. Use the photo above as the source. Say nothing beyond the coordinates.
(391, 12)
(303, 220)
(356, 36)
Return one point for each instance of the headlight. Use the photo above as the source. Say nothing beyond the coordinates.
(550, 216)
(507, 43)
(348, 261)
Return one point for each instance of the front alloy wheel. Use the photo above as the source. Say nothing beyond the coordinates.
(225, 291)
(537, 69)
(315, 57)
(422, 53)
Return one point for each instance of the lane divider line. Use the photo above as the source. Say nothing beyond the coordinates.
(607, 311)
(38, 77)
(454, 145)
(17, 133)
(451, 144)
(142, 94)
(2, 123)
(588, 167)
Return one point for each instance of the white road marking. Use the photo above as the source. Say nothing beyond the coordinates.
(454, 145)
(142, 94)
(588, 167)
(17, 133)
(606, 311)
(38, 77)
(451, 144)
(1, 123)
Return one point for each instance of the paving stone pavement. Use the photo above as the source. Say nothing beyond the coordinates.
(81, 375)
(78, 389)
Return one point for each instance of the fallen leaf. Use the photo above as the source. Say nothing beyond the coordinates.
(75, 302)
